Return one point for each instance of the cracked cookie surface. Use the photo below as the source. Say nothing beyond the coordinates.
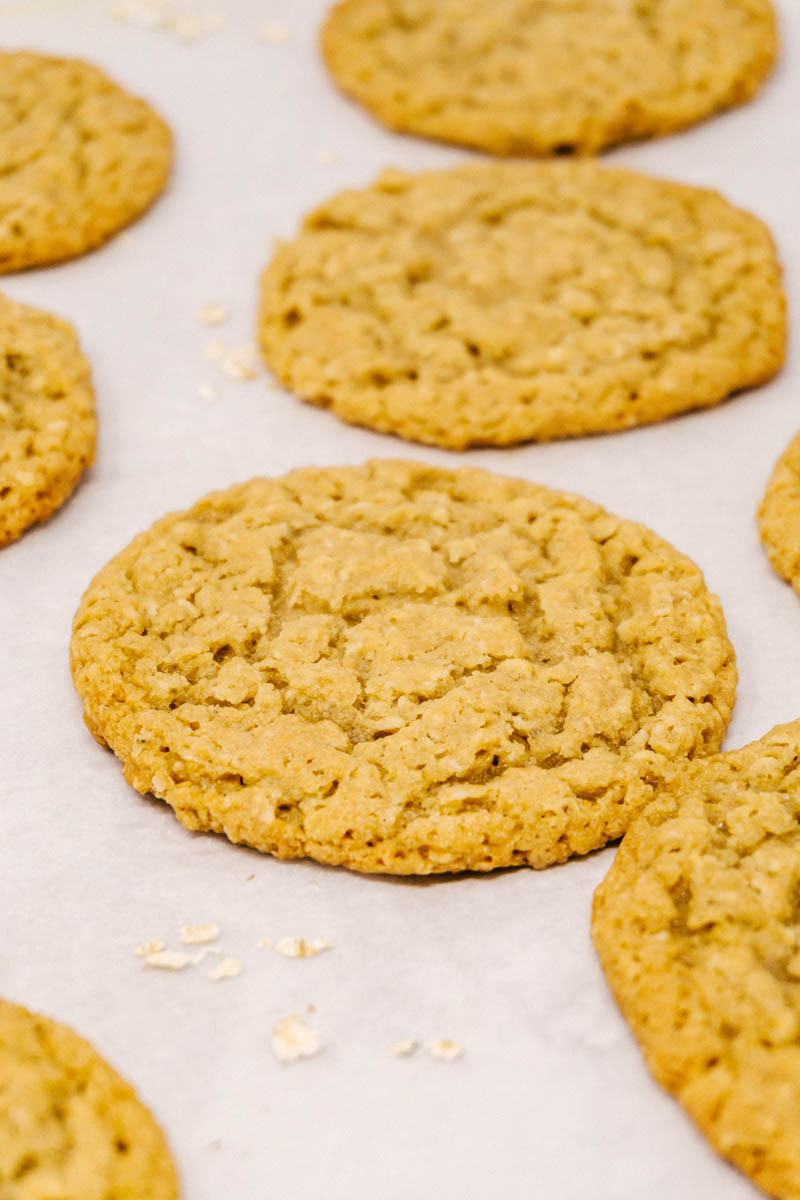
(698, 929)
(47, 421)
(70, 1127)
(492, 304)
(81, 158)
(779, 515)
(402, 669)
(548, 76)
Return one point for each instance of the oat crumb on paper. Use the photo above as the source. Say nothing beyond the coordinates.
(403, 1048)
(168, 960)
(226, 968)
(213, 314)
(264, 943)
(183, 21)
(327, 158)
(274, 33)
(240, 362)
(199, 935)
(214, 350)
(153, 946)
(207, 391)
(292, 1039)
(444, 1048)
(298, 947)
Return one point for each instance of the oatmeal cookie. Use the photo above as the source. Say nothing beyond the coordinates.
(403, 669)
(495, 303)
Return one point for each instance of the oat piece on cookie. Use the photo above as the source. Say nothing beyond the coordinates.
(80, 157)
(491, 304)
(550, 76)
(698, 929)
(779, 515)
(47, 421)
(403, 669)
(69, 1125)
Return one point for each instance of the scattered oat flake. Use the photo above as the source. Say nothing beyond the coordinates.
(264, 943)
(273, 33)
(226, 968)
(444, 1048)
(180, 20)
(404, 1048)
(214, 349)
(151, 947)
(198, 935)
(207, 391)
(327, 158)
(292, 1039)
(168, 960)
(240, 362)
(213, 314)
(298, 947)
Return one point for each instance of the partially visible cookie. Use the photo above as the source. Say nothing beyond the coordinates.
(779, 515)
(403, 669)
(70, 1127)
(47, 421)
(698, 929)
(80, 158)
(555, 76)
(495, 303)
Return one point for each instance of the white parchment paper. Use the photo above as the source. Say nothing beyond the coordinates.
(550, 1098)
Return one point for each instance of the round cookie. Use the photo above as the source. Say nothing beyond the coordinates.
(47, 421)
(698, 929)
(779, 515)
(496, 303)
(555, 76)
(81, 158)
(402, 669)
(70, 1127)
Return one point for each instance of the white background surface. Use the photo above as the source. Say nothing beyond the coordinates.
(551, 1098)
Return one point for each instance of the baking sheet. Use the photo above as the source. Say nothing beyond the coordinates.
(550, 1098)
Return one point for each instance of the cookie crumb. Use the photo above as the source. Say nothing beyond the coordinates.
(198, 935)
(207, 391)
(292, 1039)
(152, 947)
(226, 968)
(240, 362)
(298, 947)
(404, 1048)
(213, 314)
(444, 1049)
(273, 33)
(168, 960)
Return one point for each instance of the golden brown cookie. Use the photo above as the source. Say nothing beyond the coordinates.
(402, 669)
(550, 76)
(779, 515)
(490, 304)
(70, 1127)
(47, 421)
(81, 158)
(698, 929)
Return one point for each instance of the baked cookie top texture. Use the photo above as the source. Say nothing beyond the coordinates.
(403, 669)
(494, 303)
(70, 1127)
(698, 929)
(47, 421)
(779, 515)
(548, 76)
(80, 158)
